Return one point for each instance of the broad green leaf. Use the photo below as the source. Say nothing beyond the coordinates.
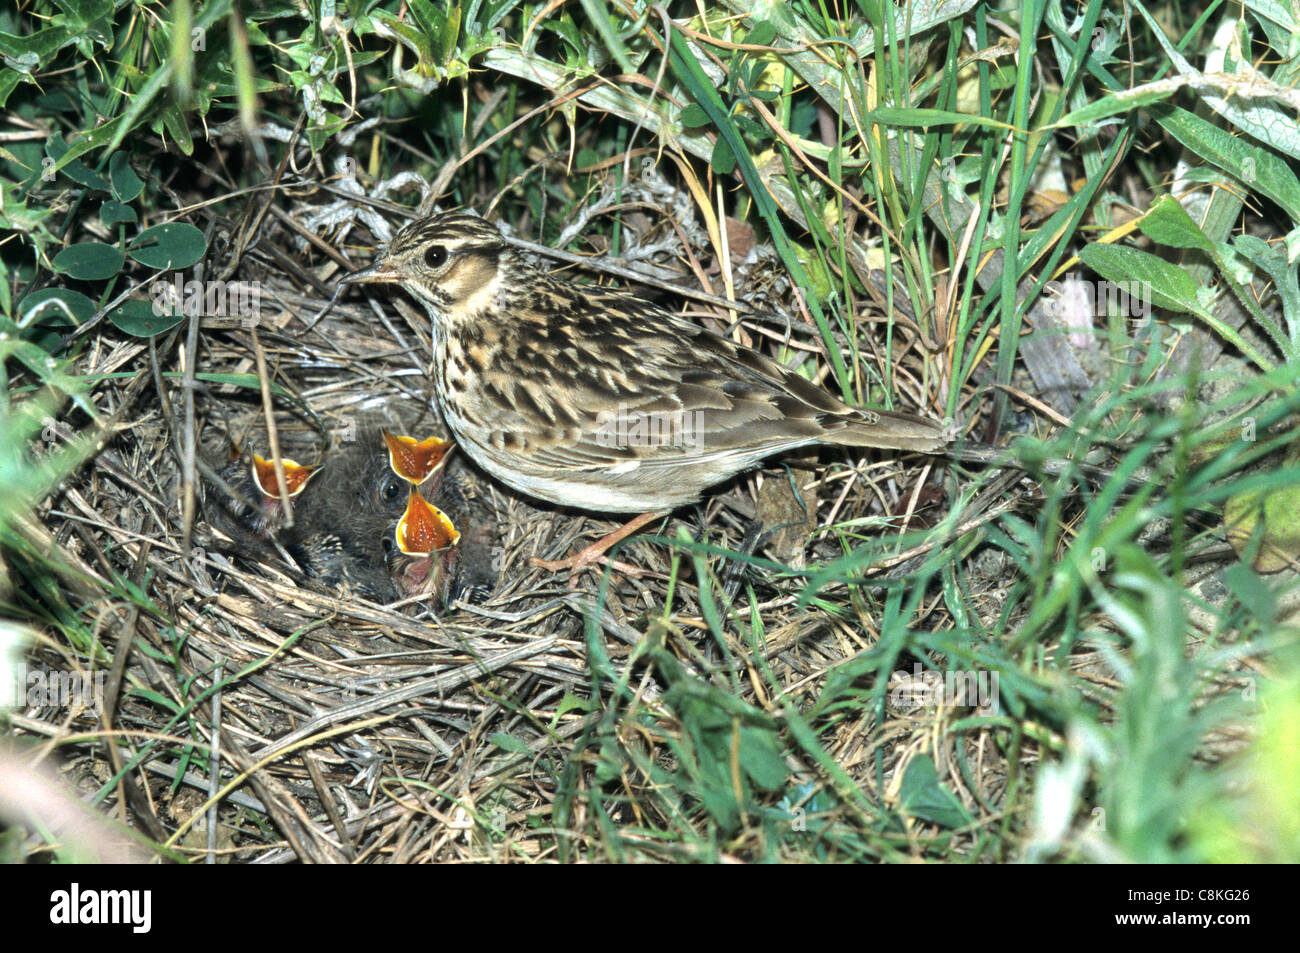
(171, 122)
(126, 184)
(89, 261)
(1167, 223)
(9, 80)
(43, 44)
(923, 796)
(1118, 103)
(137, 318)
(91, 140)
(763, 32)
(88, 21)
(169, 247)
(760, 756)
(694, 116)
(78, 172)
(429, 18)
(115, 213)
(1171, 287)
(55, 306)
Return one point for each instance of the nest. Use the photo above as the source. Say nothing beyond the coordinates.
(343, 730)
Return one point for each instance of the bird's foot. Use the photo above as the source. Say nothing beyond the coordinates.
(594, 555)
(582, 560)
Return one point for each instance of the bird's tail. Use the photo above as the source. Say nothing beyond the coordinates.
(891, 430)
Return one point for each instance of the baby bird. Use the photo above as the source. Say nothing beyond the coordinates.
(347, 513)
(256, 509)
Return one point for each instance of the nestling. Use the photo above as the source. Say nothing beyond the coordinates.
(344, 533)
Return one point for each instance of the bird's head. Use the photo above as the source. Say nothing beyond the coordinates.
(452, 262)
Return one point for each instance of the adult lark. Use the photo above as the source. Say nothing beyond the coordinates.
(594, 398)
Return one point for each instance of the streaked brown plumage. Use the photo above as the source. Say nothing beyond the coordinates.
(594, 398)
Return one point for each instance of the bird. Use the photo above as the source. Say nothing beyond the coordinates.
(257, 508)
(467, 501)
(346, 533)
(595, 398)
(426, 552)
(340, 537)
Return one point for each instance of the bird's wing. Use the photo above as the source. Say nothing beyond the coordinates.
(619, 384)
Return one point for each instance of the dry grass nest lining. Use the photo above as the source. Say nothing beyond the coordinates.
(368, 694)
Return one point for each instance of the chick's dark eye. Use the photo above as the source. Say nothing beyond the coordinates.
(387, 545)
(391, 489)
(435, 256)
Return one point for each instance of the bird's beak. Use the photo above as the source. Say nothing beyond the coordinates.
(416, 460)
(424, 529)
(377, 273)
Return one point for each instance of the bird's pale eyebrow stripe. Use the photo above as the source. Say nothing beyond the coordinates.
(469, 232)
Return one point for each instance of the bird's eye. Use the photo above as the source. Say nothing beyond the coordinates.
(387, 545)
(435, 256)
(391, 489)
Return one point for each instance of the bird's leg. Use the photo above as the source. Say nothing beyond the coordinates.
(595, 553)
